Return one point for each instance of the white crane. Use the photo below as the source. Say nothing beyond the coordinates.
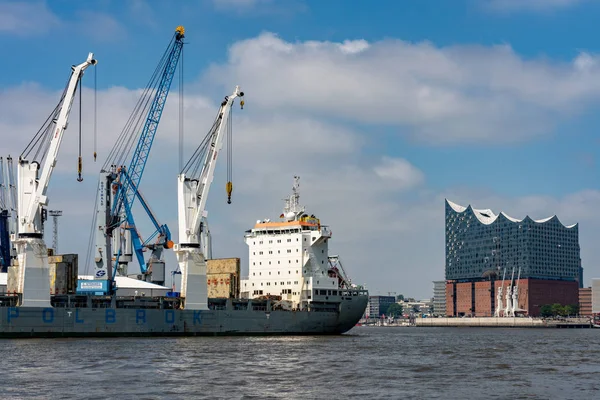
(192, 193)
(32, 254)
(509, 289)
(515, 295)
(11, 199)
(498, 312)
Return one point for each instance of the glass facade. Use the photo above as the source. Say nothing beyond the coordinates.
(480, 243)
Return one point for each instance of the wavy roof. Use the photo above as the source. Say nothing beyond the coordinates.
(487, 216)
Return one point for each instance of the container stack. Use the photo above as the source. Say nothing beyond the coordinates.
(223, 278)
(63, 273)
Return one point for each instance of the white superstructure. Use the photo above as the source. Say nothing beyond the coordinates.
(289, 258)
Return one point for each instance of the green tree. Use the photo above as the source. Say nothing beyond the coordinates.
(394, 310)
(572, 309)
(557, 309)
(546, 311)
(400, 297)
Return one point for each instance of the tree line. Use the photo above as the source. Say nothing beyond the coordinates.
(558, 310)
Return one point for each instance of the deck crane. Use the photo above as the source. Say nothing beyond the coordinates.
(5, 246)
(34, 178)
(8, 213)
(117, 236)
(193, 185)
(11, 197)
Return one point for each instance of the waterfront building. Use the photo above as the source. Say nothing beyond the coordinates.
(585, 302)
(378, 305)
(595, 296)
(439, 298)
(488, 254)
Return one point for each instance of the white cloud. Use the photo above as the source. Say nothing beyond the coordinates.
(36, 18)
(99, 25)
(388, 226)
(26, 19)
(439, 95)
(400, 172)
(530, 5)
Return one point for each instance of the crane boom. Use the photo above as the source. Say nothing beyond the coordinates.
(32, 192)
(192, 194)
(33, 283)
(119, 185)
(126, 191)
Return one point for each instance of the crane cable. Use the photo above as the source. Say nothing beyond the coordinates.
(181, 109)
(132, 129)
(229, 185)
(79, 159)
(95, 112)
(41, 140)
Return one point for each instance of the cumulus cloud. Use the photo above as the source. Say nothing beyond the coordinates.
(400, 172)
(26, 19)
(99, 25)
(313, 109)
(440, 95)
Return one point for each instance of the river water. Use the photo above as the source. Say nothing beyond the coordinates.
(368, 362)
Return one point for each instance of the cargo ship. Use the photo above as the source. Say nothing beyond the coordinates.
(294, 287)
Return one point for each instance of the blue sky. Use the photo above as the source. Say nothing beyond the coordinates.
(384, 111)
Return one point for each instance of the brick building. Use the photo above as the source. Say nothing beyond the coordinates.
(540, 260)
(585, 302)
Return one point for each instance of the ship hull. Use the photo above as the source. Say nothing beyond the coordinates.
(34, 322)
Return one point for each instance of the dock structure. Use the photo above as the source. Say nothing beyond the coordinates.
(503, 322)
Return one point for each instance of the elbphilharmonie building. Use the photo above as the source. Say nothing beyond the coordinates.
(484, 251)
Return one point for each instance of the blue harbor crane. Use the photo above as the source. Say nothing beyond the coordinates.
(117, 236)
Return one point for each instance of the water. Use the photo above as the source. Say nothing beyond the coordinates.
(386, 363)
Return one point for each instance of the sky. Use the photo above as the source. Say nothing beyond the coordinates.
(382, 111)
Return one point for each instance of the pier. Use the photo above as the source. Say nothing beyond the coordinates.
(494, 322)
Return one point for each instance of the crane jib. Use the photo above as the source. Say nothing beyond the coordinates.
(142, 151)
